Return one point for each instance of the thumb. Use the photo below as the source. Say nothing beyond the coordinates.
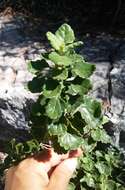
(61, 175)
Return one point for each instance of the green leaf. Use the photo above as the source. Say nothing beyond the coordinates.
(56, 42)
(74, 45)
(100, 135)
(60, 60)
(37, 108)
(96, 134)
(60, 74)
(86, 86)
(88, 147)
(54, 108)
(108, 185)
(87, 116)
(31, 146)
(36, 84)
(103, 168)
(98, 154)
(81, 89)
(77, 58)
(74, 89)
(105, 120)
(57, 129)
(38, 65)
(83, 69)
(93, 106)
(90, 111)
(88, 178)
(71, 186)
(86, 129)
(112, 159)
(69, 142)
(87, 163)
(66, 33)
(42, 101)
(96, 106)
(19, 148)
(55, 93)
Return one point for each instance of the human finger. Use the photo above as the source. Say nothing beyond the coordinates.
(61, 175)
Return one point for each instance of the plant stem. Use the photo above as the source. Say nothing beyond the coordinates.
(70, 124)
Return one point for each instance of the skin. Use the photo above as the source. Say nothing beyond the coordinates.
(44, 171)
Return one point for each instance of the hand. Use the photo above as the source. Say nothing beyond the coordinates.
(44, 171)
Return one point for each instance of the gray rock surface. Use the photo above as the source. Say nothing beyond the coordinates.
(108, 53)
(16, 48)
(14, 113)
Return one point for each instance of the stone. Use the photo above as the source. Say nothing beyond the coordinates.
(108, 53)
(118, 80)
(15, 106)
(15, 101)
(118, 94)
(96, 49)
(100, 81)
(16, 49)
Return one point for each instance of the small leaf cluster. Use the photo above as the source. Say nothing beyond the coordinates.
(18, 151)
(66, 117)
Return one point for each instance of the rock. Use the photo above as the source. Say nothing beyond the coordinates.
(118, 94)
(100, 81)
(16, 48)
(118, 79)
(96, 49)
(108, 80)
(15, 105)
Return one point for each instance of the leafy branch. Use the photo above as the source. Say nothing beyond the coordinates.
(67, 117)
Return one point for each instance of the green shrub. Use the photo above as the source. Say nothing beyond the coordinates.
(66, 117)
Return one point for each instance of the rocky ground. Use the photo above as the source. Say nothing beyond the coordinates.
(18, 45)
